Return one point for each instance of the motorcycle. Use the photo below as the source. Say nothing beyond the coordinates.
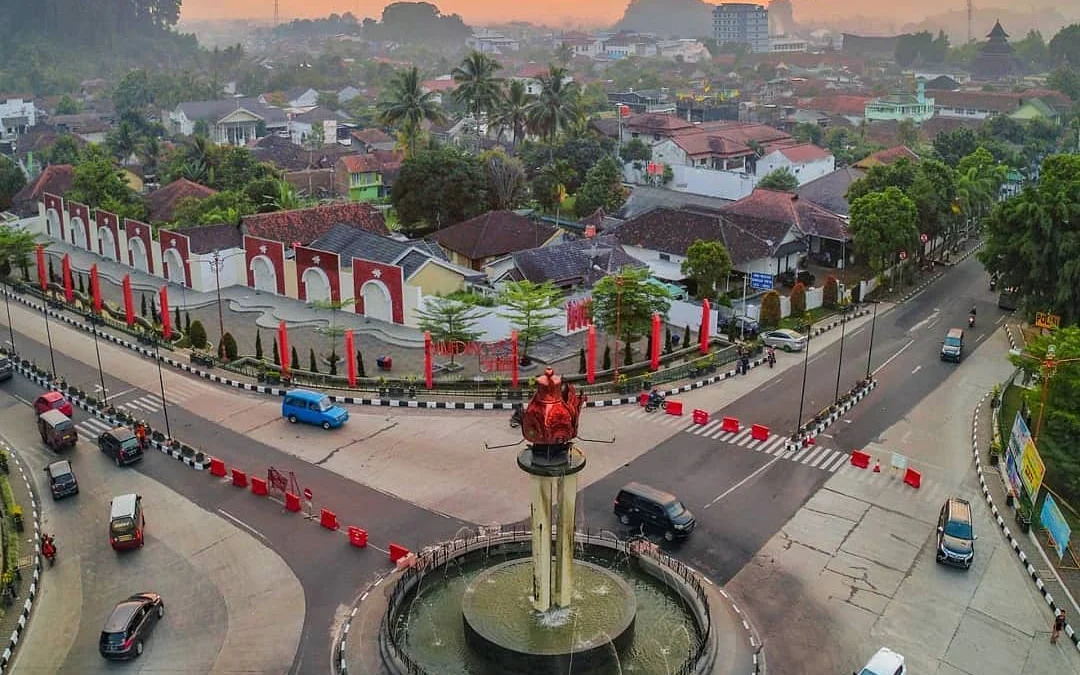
(971, 321)
(771, 358)
(48, 549)
(993, 283)
(655, 402)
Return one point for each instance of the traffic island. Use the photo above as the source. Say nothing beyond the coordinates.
(21, 527)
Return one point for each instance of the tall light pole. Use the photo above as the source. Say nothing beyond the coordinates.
(94, 322)
(618, 320)
(840, 360)
(161, 381)
(802, 394)
(217, 262)
(48, 333)
(11, 329)
(870, 349)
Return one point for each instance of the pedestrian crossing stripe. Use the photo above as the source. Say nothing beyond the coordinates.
(92, 427)
(814, 456)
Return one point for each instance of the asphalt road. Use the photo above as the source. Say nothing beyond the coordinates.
(309, 550)
(740, 497)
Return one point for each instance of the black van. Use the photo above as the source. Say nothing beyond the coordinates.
(121, 445)
(642, 506)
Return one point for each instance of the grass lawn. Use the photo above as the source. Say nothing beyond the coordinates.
(816, 314)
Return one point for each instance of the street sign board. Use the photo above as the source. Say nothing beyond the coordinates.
(761, 281)
(1047, 320)
(1055, 523)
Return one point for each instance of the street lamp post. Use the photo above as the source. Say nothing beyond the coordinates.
(802, 394)
(48, 334)
(217, 262)
(840, 360)
(618, 322)
(11, 329)
(94, 322)
(870, 349)
(161, 381)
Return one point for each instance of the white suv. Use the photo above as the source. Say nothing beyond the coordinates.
(885, 662)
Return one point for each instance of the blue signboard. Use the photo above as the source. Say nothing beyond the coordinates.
(1055, 524)
(761, 281)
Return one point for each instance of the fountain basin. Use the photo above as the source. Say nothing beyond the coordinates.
(501, 624)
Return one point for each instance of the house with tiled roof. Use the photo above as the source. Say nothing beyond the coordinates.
(476, 242)
(886, 157)
(977, 105)
(303, 226)
(234, 121)
(653, 128)
(441, 87)
(578, 263)
(161, 204)
(205, 239)
(851, 107)
(55, 179)
(805, 161)
(530, 75)
(365, 177)
(822, 229)
(830, 190)
(370, 140)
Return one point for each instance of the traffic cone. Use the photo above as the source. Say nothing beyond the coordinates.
(877, 466)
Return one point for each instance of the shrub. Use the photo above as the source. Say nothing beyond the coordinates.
(628, 354)
(258, 345)
(360, 364)
(176, 318)
(581, 361)
(228, 343)
(798, 299)
(197, 334)
(667, 340)
(333, 358)
(606, 365)
(295, 362)
(187, 322)
(277, 355)
(831, 292)
(686, 337)
(142, 305)
(770, 310)
(313, 365)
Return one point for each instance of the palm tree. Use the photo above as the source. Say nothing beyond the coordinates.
(557, 105)
(286, 199)
(124, 141)
(564, 54)
(477, 87)
(513, 113)
(407, 106)
(150, 153)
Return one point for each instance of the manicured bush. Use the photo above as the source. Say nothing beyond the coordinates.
(628, 354)
(142, 305)
(667, 340)
(360, 364)
(686, 337)
(798, 299)
(830, 292)
(313, 365)
(258, 345)
(228, 343)
(770, 310)
(333, 362)
(187, 322)
(176, 318)
(277, 355)
(197, 335)
(606, 364)
(295, 362)
(581, 361)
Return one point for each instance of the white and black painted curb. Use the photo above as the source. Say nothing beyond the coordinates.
(192, 461)
(384, 402)
(924, 285)
(35, 580)
(811, 431)
(340, 661)
(1005, 528)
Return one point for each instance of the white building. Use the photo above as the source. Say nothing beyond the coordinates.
(806, 161)
(17, 115)
(786, 45)
(687, 50)
(229, 122)
(582, 44)
(490, 42)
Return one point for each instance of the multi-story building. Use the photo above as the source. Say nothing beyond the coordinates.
(742, 23)
(899, 107)
(17, 115)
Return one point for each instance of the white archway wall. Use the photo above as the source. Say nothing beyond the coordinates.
(316, 284)
(140, 257)
(377, 301)
(55, 223)
(106, 243)
(264, 275)
(78, 232)
(174, 266)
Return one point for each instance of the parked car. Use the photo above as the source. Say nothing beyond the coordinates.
(127, 523)
(884, 662)
(129, 625)
(789, 277)
(7, 369)
(52, 400)
(742, 323)
(312, 407)
(955, 534)
(62, 481)
(57, 430)
(786, 339)
(121, 445)
(642, 506)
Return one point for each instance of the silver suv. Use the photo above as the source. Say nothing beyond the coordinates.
(7, 368)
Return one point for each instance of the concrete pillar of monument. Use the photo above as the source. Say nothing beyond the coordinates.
(541, 542)
(564, 545)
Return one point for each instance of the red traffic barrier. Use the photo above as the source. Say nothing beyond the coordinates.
(329, 520)
(730, 425)
(357, 537)
(258, 487)
(700, 416)
(810, 440)
(673, 407)
(643, 399)
(292, 502)
(860, 459)
(217, 468)
(239, 478)
(913, 478)
(397, 552)
(759, 432)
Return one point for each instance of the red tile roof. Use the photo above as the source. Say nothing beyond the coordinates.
(494, 233)
(702, 144)
(532, 71)
(438, 85)
(161, 204)
(655, 122)
(55, 179)
(887, 156)
(372, 136)
(1002, 102)
(307, 225)
(787, 208)
(360, 163)
(839, 104)
(804, 152)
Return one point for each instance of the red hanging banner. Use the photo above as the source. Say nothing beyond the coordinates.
(350, 357)
(590, 356)
(704, 334)
(514, 357)
(283, 348)
(166, 320)
(427, 360)
(42, 271)
(95, 288)
(129, 302)
(65, 269)
(654, 363)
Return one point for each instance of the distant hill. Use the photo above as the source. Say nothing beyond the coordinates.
(666, 18)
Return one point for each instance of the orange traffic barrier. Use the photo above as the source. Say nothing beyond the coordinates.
(643, 399)
(759, 432)
(860, 459)
(673, 407)
(217, 468)
(700, 416)
(397, 552)
(292, 502)
(239, 478)
(730, 425)
(913, 478)
(810, 440)
(328, 520)
(258, 487)
(357, 537)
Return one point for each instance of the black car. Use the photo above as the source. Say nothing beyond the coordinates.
(955, 536)
(650, 509)
(129, 625)
(121, 445)
(62, 481)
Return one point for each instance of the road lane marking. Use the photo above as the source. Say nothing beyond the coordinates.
(744, 481)
(890, 359)
(925, 323)
(856, 332)
(917, 369)
(242, 524)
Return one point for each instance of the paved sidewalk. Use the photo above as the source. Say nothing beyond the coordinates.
(14, 619)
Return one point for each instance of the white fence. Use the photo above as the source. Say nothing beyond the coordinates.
(699, 181)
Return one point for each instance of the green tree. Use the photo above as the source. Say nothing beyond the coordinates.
(635, 151)
(406, 106)
(197, 334)
(142, 310)
(505, 176)
(556, 106)
(1065, 46)
(97, 183)
(808, 132)
(934, 194)
(276, 353)
(313, 363)
(779, 179)
(228, 349)
(123, 141)
(478, 88)
(529, 308)
(450, 320)
(708, 264)
(907, 133)
(438, 187)
(770, 309)
(68, 106)
(16, 245)
(581, 361)
(883, 224)
(899, 174)
(65, 150)
(1031, 240)
(512, 110)
(952, 146)
(603, 189)
(798, 299)
(295, 362)
(1033, 52)
(605, 363)
(549, 185)
(626, 301)
(360, 364)
(830, 293)
(1066, 80)
(12, 180)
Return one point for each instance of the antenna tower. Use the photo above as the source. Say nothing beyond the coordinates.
(970, 18)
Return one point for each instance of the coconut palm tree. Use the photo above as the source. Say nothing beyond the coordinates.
(513, 112)
(477, 87)
(407, 106)
(557, 105)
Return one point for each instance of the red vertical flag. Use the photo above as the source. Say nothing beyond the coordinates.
(65, 269)
(166, 320)
(654, 363)
(42, 271)
(514, 356)
(95, 288)
(427, 360)
(283, 347)
(129, 302)
(350, 357)
(705, 316)
(590, 356)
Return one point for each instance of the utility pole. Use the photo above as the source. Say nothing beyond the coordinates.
(277, 15)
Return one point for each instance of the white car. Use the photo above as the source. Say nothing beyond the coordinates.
(786, 339)
(885, 662)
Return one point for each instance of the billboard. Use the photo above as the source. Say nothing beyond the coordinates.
(1055, 524)
(1023, 465)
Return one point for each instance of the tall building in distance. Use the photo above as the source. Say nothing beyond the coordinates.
(743, 23)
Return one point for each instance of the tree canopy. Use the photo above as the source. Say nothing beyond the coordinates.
(438, 187)
(450, 320)
(708, 264)
(603, 189)
(12, 180)
(779, 179)
(883, 224)
(417, 23)
(529, 307)
(626, 301)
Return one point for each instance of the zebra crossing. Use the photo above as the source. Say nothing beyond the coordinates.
(144, 404)
(814, 456)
